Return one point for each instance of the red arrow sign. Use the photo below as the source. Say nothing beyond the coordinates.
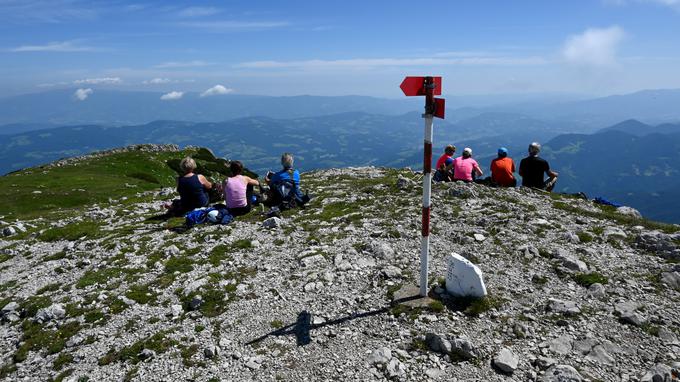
(413, 86)
(439, 107)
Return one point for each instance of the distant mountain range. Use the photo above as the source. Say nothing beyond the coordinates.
(120, 108)
(630, 162)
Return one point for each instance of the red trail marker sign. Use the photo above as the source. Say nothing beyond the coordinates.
(434, 107)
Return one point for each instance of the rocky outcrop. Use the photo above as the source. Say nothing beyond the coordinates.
(310, 295)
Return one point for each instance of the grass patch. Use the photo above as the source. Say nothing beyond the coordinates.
(181, 264)
(609, 213)
(48, 288)
(56, 256)
(141, 294)
(104, 275)
(62, 360)
(588, 279)
(584, 237)
(158, 343)
(35, 337)
(73, 231)
(539, 280)
(276, 324)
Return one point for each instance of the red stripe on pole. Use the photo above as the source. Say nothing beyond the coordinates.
(427, 161)
(426, 221)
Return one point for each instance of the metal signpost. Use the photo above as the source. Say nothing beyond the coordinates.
(434, 107)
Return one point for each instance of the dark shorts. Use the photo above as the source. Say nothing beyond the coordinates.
(239, 211)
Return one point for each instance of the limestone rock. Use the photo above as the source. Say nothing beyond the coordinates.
(172, 250)
(272, 222)
(597, 290)
(506, 361)
(437, 343)
(658, 373)
(561, 373)
(629, 211)
(568, 308)
(464, 278)
(671, 279)
(570, 261)
(380, 356)
(462, 347)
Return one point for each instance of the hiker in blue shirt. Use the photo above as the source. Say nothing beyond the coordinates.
(284, 177)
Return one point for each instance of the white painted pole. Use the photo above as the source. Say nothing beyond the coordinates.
(427, 189)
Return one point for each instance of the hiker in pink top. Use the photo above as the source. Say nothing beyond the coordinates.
(463, 167)
(235, 190)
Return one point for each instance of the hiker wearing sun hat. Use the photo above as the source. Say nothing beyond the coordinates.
(464, 167)
(502, 169)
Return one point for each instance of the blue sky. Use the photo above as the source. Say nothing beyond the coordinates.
(596, 47)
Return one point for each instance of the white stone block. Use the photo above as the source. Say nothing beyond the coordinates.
(464, 278)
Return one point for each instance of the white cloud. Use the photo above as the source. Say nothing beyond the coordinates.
(55, 46)
(234, 25)
(82, 94)
(594, 46)
(182, 64)
(198, 11)
(157, 81)
(216, 90)
(396, 62)
(669, 3)
(99, 81)
(172, 96)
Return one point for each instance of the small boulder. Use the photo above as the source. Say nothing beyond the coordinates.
(597, 290)
(391, 272)
(658, 373)
(272, 222)
(569, 261)
(506, 361)
(567, 308)
(172, 251)
(146, 354)
(463, 348)
(463, 278)
(629, 211)
(195, 303)
(437, 343)
(380, 356)
(9, 231)
(671, 279)
(561, 373)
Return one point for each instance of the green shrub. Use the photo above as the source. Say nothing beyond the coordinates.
(588, 279)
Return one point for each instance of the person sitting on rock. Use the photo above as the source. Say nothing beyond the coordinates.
(192, 189)
(444, 166)
(235, 190)
(502, 169)
(285, 185)
(532, 168)
(465, 168)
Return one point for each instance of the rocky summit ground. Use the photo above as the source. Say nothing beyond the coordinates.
(105, 292)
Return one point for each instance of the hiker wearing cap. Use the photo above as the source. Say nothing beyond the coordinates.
(464, 167)
(444, 167)
(532, 168)
(502, 169)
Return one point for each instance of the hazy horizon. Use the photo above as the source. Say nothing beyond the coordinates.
(591, 48)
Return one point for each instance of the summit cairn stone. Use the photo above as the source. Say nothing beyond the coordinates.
(464, 278)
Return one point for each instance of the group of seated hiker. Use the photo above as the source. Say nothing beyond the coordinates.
(237, 190)
(464, 168)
